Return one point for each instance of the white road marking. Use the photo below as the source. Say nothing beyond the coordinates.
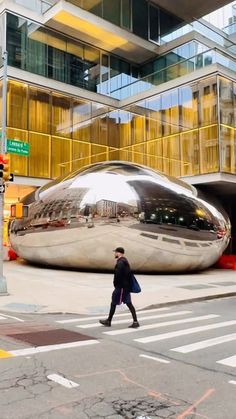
(154, 358)
(230, 362)
(232, 382)
(2, 318)
(12, 317)
(177, 333)
(63, 381)
(163, 324)
(84, 319)
(49, 348)
(155, 316)
(205, 344)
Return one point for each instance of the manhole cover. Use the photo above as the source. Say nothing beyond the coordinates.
(50, 337)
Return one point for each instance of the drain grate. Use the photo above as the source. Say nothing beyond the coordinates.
(50, 337)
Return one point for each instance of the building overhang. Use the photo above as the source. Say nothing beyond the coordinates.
(82, 25)
(190, 10)
(217, 183)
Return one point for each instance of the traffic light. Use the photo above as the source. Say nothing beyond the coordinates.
(5, 168)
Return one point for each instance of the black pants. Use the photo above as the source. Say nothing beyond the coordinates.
(131, 309)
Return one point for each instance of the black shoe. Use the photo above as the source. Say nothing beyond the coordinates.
(134, 325)
(105, 322)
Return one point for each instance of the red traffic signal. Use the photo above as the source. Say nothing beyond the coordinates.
(5, 168)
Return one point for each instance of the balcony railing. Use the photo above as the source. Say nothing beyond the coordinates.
(172, 72)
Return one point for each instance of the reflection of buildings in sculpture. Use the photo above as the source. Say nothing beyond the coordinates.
(63, 206)
(106, 208)
(166, 208)
(126, 209)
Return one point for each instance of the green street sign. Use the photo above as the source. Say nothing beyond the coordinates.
(17, 147)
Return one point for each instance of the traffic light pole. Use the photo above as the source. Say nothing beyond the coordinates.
(3, 282)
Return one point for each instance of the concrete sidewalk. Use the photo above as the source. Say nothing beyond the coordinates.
(32, 289)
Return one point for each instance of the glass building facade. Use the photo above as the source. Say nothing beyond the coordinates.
(186, 131)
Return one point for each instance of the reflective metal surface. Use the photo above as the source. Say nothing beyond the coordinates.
(77, 221)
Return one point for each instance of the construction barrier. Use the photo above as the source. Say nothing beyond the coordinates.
(227, 262)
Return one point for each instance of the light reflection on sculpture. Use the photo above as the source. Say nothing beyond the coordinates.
(77, 220)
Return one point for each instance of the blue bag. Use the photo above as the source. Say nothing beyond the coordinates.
(135, 287)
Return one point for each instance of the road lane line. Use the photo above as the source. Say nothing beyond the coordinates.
(84, 319)
(62, 380)
(184, 332)
(163, 324)
(205, 344)
(2, 318)
(156, 316)
(232, 382)
(164, 361)
(230, 362)
(49, 348)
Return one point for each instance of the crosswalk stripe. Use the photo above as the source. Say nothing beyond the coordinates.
(49, 348)
(205, 344)
(84, 319)
(11, 317)
(157, 325)
(177, 333)
(164, 361)
(156, 316)
(232, 382)
(230, 362)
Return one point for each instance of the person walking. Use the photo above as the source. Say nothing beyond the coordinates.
(122, 284)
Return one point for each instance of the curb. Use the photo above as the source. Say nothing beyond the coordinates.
(190, 300)
(158, 305)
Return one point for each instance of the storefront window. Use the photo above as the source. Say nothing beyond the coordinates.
(40, 155)
(228, 149)
(61, 116)
(189, 153)
(209, 149)
(139, 154)
(61, 156)
(226, 101)
(155, 154)
(81, 116)
(17, 107)
(188, 102)
(171, 155)
(154, 118)
(81, 154)
(208, 101)
(39, 110)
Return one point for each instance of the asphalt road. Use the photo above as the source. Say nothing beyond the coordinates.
(181, 363)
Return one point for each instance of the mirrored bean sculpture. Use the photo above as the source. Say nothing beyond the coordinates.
(76, 221)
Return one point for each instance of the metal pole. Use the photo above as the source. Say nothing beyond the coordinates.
(3, 282)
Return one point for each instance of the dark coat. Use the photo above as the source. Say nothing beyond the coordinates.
(122, 274)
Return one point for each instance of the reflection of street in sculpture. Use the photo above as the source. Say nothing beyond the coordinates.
(75, 221)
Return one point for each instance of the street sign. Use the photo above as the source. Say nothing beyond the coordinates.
(17, 147)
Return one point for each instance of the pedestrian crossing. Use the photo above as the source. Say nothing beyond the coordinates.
(4, 317)
(177, 323)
